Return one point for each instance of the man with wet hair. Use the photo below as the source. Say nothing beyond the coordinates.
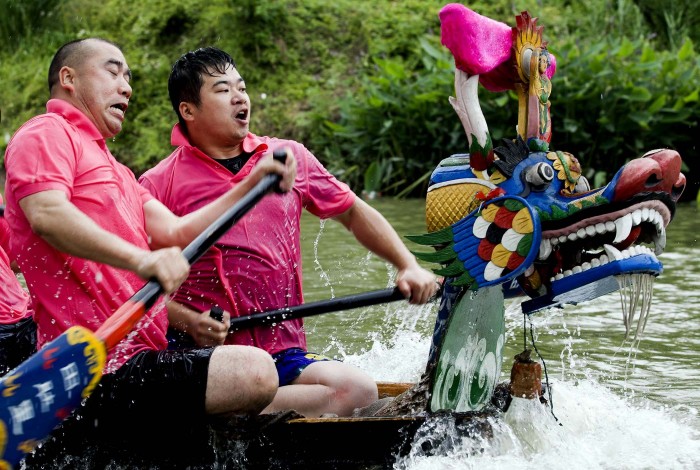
(86, 237)
(257, 265)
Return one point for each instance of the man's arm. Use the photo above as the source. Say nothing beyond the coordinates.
(167, 229)
(55, 219)
(375, 233)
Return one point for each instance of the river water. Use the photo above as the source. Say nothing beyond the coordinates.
(614, 407)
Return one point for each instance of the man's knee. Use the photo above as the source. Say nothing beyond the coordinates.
(241, 379)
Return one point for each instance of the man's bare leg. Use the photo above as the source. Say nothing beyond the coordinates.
(326, 387)
(241, 380)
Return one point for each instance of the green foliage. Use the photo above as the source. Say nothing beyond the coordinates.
(364, 84)
(671, 21)
(19, 19)
(616, 99)
(397, 116)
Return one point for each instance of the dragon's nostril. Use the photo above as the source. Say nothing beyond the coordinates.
(676, 192)
(652, 180)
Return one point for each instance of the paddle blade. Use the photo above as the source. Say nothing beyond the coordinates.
(37, 395)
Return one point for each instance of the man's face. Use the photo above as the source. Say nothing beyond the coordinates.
(223, 115)
(101, 87)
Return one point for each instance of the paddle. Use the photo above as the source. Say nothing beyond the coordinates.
(365, 299)
(37, 395)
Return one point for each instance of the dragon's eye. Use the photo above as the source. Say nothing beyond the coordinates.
(582, 185)
(539, 176)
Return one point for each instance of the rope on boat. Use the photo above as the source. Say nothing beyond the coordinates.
(544, 366)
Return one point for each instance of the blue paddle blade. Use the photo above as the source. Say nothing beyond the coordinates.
(37, 395)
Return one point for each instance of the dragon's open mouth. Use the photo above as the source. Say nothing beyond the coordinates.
(596, 241)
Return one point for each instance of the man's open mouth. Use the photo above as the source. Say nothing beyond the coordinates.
(120, 107)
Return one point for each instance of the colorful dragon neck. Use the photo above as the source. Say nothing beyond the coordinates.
(520, 219)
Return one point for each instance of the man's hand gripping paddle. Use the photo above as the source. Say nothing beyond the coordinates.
(37, 395)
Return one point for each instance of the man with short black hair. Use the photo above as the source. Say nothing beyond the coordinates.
(256, 266)
(87, 236)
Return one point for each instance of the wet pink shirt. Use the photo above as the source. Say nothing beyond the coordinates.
(14, 300)
(256, 266)
(63, 150)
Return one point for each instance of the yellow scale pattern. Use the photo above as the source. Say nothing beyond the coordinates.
(449, 204)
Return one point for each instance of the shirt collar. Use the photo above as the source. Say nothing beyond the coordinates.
(251, 143)
(75, 117)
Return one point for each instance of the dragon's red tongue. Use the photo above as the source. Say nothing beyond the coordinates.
(631, 238)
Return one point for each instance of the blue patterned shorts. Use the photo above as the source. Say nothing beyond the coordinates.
(291, 362)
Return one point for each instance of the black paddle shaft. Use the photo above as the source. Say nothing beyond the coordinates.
(317, 308)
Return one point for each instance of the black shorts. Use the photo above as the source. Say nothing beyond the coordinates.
(17, 343)
(154, 404)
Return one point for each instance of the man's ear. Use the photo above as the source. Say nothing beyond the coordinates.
(66, 78)
(186, 111)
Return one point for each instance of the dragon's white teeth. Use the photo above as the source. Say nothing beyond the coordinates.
(636, 217)
(610, 226)
(612, 252)
(545, 249)
(658, 222)
(600, 228)
(590, 230)
(645, 213)
(623, 226)
(660, 241)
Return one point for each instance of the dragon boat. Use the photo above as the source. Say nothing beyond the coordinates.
(517, 219)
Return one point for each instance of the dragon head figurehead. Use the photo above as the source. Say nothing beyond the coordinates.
(520, 218)
(522, 213)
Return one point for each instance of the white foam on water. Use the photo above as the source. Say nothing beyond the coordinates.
(599, 430)
(403, 355)
(403, 361)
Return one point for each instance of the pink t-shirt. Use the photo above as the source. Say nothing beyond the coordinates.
(63, 150)
(255, 266)
(14, 301)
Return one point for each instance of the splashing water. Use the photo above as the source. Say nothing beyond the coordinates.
(636, 292)
(611, 418)
(317, 263)
(599, 431)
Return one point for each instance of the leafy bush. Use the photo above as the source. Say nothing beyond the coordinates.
(618, 98)
(365, 84)
(20, 19)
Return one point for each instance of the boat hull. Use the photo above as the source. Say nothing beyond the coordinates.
(277, 441)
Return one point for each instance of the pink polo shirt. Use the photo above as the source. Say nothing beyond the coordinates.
(255, 266)
(63, 150)
(14, 301)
